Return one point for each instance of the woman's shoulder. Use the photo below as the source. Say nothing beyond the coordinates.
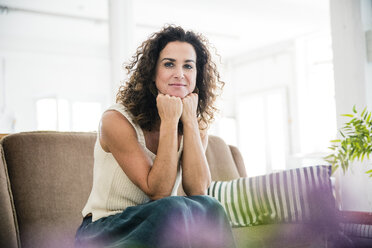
(112, 119)
(118, 107)
(114, 127)
(118, 119)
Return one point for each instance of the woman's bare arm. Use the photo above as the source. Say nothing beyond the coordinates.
(119, 137)
(196, 176)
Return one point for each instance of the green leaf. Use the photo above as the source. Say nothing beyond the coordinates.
(365, 116)
(369, 117)
(352, 151)
(352, 158)
(364, 110)
(359, 156)
(355, 142)
(334, 168)
(342, 134)
(343, 148)
(329, 156)
(362, 157)
(369, 171)
(354, 110)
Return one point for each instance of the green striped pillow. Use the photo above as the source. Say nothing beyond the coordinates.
(296, 195)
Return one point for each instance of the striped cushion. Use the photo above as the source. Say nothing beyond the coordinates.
(297, 195)
(357, 230)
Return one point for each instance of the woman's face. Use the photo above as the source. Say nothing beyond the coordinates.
(176, 69)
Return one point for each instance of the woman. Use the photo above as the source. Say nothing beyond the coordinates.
(153, 136)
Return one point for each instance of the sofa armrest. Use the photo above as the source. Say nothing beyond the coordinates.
(220, 160)
(8, 224)
(237, 156)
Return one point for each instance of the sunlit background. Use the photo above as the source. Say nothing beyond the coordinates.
(61, 65)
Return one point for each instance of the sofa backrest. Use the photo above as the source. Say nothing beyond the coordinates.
(46, 178)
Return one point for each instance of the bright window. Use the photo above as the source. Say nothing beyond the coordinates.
(52, 114)
(62, 115)
(263, 131)
(85, 116)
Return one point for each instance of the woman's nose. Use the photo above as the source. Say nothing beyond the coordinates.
(179, 73)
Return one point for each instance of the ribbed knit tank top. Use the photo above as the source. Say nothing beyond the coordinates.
(112, 190)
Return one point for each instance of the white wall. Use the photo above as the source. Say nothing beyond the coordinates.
(260, 77)
(122, 27)
(51, 56)
(366, 14)
(298, 76)
(352, 87)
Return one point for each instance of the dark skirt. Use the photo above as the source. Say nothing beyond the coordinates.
(176, 221)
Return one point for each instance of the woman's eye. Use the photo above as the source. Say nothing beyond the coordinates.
(187, 66)
(168, 64)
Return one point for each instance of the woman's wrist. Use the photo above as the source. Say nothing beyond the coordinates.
(170, 124)
(191, 123)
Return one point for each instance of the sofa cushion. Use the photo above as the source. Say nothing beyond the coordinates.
(51, 177)
(297, 195)
(288, 235)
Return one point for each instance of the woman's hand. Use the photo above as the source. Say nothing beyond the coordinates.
(169, 107)
(190, 106)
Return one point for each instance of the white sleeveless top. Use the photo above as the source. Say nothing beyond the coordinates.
(112, 190)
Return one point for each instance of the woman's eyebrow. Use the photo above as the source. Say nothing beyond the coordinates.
(173, 60)
(190, 60)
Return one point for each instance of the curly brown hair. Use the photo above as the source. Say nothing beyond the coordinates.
(139, 93)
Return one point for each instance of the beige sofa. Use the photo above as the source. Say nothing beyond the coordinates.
(46, 177)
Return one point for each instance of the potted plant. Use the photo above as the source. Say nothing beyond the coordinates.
(355, 143)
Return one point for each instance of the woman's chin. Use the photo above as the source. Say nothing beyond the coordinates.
(178, 94)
